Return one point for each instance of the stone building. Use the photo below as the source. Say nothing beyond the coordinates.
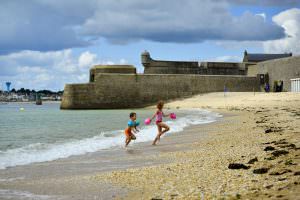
(273, 68)
(272, 71)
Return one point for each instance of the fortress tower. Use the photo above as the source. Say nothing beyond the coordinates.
(111, 69)
(146, 59)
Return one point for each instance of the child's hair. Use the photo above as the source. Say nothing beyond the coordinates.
(160, 105)
(132, 114)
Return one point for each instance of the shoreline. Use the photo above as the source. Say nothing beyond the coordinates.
(105, 140)
(192, 164)
(27, 102)
(263, 137)
(67, 173)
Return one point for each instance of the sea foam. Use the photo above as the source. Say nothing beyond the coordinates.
(41, 152)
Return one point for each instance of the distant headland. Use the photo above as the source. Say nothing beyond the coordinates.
(27, 95)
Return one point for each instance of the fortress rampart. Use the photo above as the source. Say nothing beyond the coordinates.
(111, 91)
(184, 67)
(118, 86)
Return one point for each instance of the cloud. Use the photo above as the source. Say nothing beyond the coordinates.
(27, 69)
(47, 25)
(48, 70)
(34, 25)
(265, 2)
(290, 21)
(169, 21)
(86, 59)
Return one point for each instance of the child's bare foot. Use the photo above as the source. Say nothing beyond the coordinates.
(154, 142)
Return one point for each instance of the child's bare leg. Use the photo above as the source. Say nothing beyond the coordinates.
(159, 132)
(166, 128)
(157, 138)
(128, 139)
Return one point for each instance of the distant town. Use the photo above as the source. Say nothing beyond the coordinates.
(27, 95)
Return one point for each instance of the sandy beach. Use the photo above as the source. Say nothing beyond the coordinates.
(262, 135)
(250, 153)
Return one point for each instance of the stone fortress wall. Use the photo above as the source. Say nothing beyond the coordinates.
(118, 86)
(152, 66)
(111, 91)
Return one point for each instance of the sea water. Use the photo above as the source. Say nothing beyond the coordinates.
(31, 133)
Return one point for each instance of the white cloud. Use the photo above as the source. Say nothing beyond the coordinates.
(34, 25)
(43, 78)
(47, 25)
(48, 70)
(265, 2)
(169, 21)
(123, 62)
(290, 21)
(86, 59)
(31, 69)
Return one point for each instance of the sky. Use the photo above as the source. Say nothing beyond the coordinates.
(45, 44)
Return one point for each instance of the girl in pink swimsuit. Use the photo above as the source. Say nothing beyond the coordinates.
(162, 127)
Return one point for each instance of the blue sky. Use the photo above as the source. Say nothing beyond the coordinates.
(45, 44)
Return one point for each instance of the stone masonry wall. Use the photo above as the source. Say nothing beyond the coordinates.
(281, 69)
(111, 91)
(152, 66)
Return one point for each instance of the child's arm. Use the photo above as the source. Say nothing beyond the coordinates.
(134, 130)
(153, 116)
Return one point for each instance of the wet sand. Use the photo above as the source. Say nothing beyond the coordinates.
(73, 178)
(193, 164)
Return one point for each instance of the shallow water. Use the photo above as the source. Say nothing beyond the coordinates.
(31, 133)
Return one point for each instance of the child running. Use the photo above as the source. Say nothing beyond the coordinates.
(162, 127)
(131, 128)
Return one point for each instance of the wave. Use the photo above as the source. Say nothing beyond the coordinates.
(42, 152)
(15, 194)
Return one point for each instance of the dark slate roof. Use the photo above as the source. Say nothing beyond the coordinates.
(257, 57)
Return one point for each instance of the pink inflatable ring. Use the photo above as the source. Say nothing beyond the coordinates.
(173, 116)
(147, 121)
